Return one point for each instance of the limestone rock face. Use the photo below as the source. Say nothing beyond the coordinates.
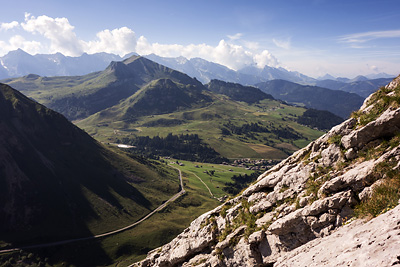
(375, 243)
(294, 214)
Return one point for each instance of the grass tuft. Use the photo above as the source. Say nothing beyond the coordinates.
(384, 196)
(380, 101)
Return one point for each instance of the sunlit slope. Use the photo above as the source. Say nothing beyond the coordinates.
(235, 129)
(77, 97)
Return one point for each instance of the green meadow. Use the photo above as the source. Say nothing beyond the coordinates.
(208, 122)
(132, 245)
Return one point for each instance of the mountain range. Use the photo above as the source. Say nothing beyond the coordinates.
(57, 182)
(332, 203)
(122, 102)
(19, 63)
(77, 97)
(80, 96)
(338, 102)
(360, 85)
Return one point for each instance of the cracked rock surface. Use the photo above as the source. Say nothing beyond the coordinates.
(293, 215)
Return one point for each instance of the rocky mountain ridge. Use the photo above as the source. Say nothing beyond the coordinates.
(340, 103)
(19, 63)
(294, 208)
(362, 87)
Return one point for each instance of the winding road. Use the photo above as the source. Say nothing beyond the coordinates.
(209, 190)
(63, 242)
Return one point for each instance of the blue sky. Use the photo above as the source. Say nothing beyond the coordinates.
(314, 37)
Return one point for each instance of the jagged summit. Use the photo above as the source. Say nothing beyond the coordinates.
(350, 172)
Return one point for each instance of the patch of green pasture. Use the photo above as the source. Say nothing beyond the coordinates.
(132, 245)
(207, 122)
(222, 174)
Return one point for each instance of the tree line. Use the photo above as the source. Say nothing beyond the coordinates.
(183, 146)
(240, 182)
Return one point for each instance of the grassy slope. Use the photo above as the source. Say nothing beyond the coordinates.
(132, 245)
(153, 180)
(215, 182)
(82, 200)
(206, 122)
(57, 183)
(80, 96)
(46, 89)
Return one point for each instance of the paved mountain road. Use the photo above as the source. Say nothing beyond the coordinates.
(63, 242)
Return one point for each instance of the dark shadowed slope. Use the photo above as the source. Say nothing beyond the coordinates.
(238, 92)
(57, 182)
(338, 102)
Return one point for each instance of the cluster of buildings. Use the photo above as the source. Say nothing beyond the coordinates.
(253, 164)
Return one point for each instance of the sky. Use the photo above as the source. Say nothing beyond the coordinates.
(343, 38)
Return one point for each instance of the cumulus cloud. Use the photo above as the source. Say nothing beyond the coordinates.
(31, 47)
(5, 26)
(18, 41)
(62, 38)
(118, 41)
(59, 31)
(225, 53)
(265, 58)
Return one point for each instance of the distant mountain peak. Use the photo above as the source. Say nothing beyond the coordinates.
(238, 92)
(19, 63)
(19, 52)
(326, 77)
(359, 78)
(131, 59)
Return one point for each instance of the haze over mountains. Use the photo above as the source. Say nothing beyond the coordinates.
(122, 102)
(80, 96)
(19, 63)
(54, 171)
(338, 102)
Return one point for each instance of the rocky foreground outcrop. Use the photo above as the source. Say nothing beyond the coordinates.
(294, 214)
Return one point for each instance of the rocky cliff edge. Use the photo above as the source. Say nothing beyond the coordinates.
(311, 209)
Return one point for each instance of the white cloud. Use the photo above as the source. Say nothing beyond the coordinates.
(18, 41)
(225, 53)
(118, 41)
(59, 31)
(143, 46)
(265, 58)
(61, 37)
(8, 26)
(251, 45)
(236, 36)
(282, 43)
(368, 36)
(31, 47)
(373, 68)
